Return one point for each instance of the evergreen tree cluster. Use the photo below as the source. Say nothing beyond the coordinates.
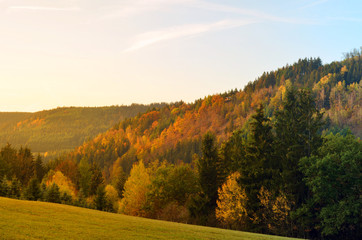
(291, 179)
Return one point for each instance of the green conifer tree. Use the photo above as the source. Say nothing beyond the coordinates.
(207, 168)
(100, 201)
(4, 187)
(53, 194)
(259, 167)
(33, 191)
(96, 179)
(298, 134)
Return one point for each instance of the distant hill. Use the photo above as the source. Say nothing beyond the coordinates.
(173, 133)
(40, 220)
(63, 128)
(7, 119)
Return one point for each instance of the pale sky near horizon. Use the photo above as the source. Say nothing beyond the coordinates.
(117, 52)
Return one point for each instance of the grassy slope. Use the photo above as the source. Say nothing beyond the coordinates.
(39, 220)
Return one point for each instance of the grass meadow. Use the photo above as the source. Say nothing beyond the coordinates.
(40, 220)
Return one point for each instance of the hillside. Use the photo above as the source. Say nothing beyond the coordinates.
(251, 160)
(62, 128)
(173, 133)
(40, 220)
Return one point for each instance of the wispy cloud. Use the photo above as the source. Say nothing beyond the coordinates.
(314, 3)
(130, 8)
(40, 8)
(138, 7)
(242, 11)
(152, 37)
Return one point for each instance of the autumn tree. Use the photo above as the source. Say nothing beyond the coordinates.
(64, 184)
(169, 191)
(112, 199)
(231, 206)
(118, 177)
(135, 190)
(70, 169)
(274, 211)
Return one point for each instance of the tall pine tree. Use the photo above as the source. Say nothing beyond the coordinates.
(298, 124)
(258, 167)
(207, 167)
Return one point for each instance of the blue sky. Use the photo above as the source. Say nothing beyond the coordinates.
(113, 52)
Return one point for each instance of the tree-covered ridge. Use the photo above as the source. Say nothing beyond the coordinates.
(7, 119)
(62, 128)
(173, 133)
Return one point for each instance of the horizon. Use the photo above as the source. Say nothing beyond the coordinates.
(93, 53)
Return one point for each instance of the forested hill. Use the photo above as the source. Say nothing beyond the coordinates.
(173, 133)
(63, 128)
(263, 159)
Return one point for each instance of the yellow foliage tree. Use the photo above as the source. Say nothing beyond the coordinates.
(275, 210)
(135, 190)
(231, 209)
(112, 196)
(64, 183)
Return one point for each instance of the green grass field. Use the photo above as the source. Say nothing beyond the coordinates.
(39, 220)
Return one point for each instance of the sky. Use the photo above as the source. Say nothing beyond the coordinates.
(56, 53)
